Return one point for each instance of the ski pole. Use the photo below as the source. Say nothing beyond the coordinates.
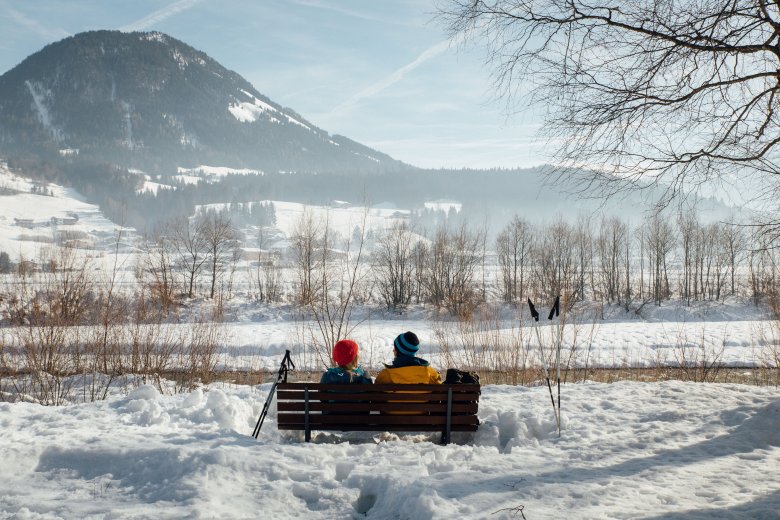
(535, 316)
(281, 377)
(555, 312)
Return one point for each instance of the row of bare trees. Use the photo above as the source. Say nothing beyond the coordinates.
(188, 249)
(613, 262)
(608, 261)
(450, 267)
(443, 270)
(455, 268)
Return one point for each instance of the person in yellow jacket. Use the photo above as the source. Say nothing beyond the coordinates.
(406, 367)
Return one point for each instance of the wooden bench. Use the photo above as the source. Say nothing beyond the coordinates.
(386, 408)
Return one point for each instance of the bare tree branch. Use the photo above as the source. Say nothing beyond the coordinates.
(671, 93)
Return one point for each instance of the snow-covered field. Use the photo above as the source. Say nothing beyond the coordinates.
(632, 343)
(628, 450)
(259, 342)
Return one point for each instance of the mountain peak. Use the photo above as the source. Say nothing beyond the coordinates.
(147, 100)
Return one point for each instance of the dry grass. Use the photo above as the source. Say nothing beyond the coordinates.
(534, 377)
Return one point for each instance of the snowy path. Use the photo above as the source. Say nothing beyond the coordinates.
(629, 450)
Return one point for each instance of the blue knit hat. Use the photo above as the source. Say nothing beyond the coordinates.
(407, 344)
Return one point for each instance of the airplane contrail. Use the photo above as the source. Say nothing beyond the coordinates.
(395, 77)
(37, 27)
(159, 15)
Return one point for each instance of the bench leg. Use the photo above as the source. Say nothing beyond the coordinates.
(445, 436)
(307, 435)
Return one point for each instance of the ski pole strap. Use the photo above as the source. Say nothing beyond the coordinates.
(534, 312)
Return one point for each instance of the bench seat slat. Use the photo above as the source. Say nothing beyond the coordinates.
(346, 395)
(381, 388)
(298, 406)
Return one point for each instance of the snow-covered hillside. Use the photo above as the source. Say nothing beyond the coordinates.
(627, 450)
(34, 215)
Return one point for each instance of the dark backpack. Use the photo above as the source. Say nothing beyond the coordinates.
(461, 377)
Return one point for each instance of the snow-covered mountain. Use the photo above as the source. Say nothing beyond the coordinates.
(149, 101)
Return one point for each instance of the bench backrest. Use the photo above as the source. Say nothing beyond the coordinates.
(396, 408)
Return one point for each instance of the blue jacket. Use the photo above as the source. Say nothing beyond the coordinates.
(339, 376)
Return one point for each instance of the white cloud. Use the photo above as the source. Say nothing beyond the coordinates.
(159, 15)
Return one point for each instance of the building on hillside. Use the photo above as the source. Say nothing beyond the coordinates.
(262, 258)
(27, 223)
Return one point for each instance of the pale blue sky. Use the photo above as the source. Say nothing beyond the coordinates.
(379, 72)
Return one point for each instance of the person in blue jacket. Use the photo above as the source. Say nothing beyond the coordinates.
(345, 355)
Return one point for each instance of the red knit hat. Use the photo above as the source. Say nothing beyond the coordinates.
(344, 352)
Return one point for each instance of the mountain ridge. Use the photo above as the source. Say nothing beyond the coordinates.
(149, 101)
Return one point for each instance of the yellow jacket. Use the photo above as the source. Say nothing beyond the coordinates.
(409, 375)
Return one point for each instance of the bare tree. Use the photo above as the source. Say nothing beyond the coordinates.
(449, 268)
(688, 225)
(611, 248)
(419, 260)
(267, 278)
(513, 245)
(640, 233)
(465, 251)
(340, 275)
(735, 244)
(189, 241)
(661, 240)
(720, 259)
(705, 258)
(676, 92)
(221, 245)
(157, 267)
(627, 270)
(305, 241)
(583, 246)
(556, 260)
(394, 265)
(67, 284)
